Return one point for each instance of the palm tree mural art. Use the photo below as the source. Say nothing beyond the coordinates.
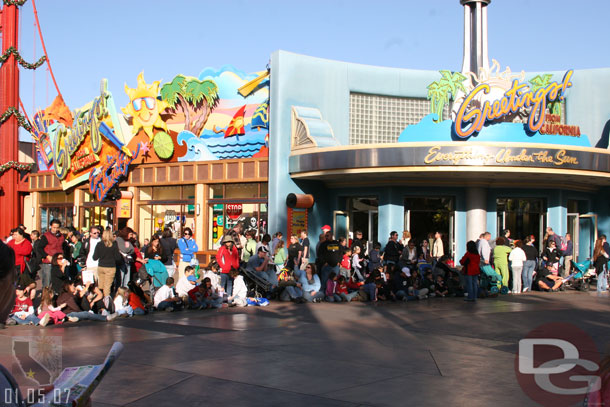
(194, 98)
(440, 92)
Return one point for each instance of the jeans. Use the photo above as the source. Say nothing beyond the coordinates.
(86, 315)
(517, 272)
(293, 292)
(602, 281)
(45, 274)
(164, 305)
(318, 295)
(528, 273)
(371, 290)
(472, 287)
(358, 275)
(124, 275)
(127, 310)
(269, 276)
(30, 318)
(333, 298)
(213, 302)
(226, 282)
(348, 297)
(139, 311)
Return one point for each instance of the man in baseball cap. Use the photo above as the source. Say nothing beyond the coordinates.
(326, 228)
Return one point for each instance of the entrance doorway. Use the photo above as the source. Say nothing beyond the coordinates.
(425, 216)
(583, 230)
(523, 217)
(362, 214)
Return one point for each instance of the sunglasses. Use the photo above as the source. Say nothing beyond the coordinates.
(60, 258)
(149, 101)
(187, 234)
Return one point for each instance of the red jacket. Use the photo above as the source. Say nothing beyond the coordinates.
(23, 251)
(227, 259)
(472, 264)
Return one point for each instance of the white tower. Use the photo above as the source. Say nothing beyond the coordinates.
(475, 35)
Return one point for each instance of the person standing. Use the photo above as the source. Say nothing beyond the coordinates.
(128, 254)
(484, 248)
(393, 249)
(517, 258)
(305, 244)
(108, 255)
(471, 261)
(88, 250)
(600, 261)
(295, 252)
(531, 260)
(330, 255)
(249, 248)
(23, 250)
(438, 250)
(169, 247)
(188, 251)
(568, 254)
(26, 235)
(227, 258)
(500, 256)
(51, 243)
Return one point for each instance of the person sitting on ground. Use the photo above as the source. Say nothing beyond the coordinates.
(165, 298)
(212, 271)
(23, 310)
(58, 272)
(400, 283)
(547, 281)
(210, 297)
(46, 307)
(384, 289)
(185, 285)
(137, 298)
(155, 267)
(429, 283)
(91, 297)
(331, 288)
(240, 291)
(551, 256)
(259, 264)
(343, 291)
(455, 286)
(441, 289)
(121, 303)
(73, 311)
(415, 289)
(370, 285)
(310, 284)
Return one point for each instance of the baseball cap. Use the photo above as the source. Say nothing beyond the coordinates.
(326, 227)
(20, 287)
(263, 249)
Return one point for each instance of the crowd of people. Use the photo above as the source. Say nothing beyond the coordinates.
(100, 274)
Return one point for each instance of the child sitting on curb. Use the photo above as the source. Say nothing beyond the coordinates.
(240, 291)
(23, 310)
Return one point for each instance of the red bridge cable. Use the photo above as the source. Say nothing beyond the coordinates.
(45, 48)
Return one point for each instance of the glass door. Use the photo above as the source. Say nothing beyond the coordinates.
(587, 235)
(364, 217)
(424, 216)
(341, 224)
(573, 230)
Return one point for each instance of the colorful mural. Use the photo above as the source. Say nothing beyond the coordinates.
(221, 114)
(497, 106)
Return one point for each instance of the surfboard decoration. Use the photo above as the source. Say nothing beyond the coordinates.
(236, 127)
(260, 118)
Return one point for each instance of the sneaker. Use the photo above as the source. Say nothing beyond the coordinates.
(44, 320)
(104, 313)
(73, 319)
(111, 317)
(11, 322)
(169, 309)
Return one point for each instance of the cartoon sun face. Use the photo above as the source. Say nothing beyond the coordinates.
(144, 107)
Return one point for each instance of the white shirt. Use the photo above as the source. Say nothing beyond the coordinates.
(184, 286)
(517, 257)
(437, 248)
(214, 278)
(239, 288)
(90, 262)
(162, 294)
(119, 303)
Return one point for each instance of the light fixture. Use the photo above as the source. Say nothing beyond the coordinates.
(33, 212)
(198, 209)
(74, 211)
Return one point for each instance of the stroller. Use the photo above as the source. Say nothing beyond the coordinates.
(258, 286)
(581, 278)
(491, 280)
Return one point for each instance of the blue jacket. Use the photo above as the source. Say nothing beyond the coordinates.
(188, 248)
(305, 286)
(157, 270)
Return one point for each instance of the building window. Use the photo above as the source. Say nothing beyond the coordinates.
(380, 119)
(168, 206)
(232, 204)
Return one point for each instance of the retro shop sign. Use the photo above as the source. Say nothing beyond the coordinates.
(497, 107)
(93, 148)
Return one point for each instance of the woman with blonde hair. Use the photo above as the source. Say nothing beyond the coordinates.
(108, 256)
(406, 236)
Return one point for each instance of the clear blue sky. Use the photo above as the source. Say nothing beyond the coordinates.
(95, 39)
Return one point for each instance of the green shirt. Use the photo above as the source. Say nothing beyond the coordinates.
(501, 254)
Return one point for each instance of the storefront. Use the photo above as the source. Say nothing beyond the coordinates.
(386, 150)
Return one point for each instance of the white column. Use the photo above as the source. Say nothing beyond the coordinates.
(476, 212)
